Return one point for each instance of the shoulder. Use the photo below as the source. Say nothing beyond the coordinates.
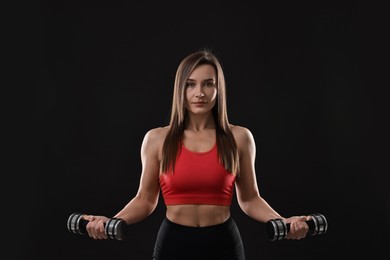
(157, 133)
(153, 141)
(156, 136)
(241, 132)
(242, 135)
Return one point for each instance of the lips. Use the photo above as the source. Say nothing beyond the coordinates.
(199, 102)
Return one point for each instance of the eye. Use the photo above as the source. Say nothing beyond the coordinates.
(190, 84)
(210, 84)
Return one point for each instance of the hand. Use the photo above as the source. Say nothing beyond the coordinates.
(96, 226)
(298, 227)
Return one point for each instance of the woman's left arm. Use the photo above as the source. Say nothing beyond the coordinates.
(248, 195)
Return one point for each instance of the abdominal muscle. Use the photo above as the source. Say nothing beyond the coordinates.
(197, 215)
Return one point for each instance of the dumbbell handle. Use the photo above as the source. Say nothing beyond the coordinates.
(115, 227)
(277, 229)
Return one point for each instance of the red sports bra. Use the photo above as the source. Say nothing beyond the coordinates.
(198, 178)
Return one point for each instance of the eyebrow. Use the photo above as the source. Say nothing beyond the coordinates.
(210, 79)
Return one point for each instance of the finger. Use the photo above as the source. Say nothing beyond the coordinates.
(97, 229)
(302, 226)
(89, 217)
(102, 230)
(296, 230)
(302, 218)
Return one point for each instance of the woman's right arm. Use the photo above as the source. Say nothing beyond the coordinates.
(146, 199)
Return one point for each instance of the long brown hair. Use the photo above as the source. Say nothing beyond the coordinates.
(227, 148)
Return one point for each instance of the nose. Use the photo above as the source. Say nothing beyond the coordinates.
(199, 95)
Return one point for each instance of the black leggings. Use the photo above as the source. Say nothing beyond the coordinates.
(216, 242)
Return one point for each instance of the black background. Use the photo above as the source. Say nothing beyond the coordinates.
(104, 74)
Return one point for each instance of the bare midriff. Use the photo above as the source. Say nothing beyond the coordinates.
(198, 215)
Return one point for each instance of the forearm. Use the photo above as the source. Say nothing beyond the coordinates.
(137, 209)
(258, 209)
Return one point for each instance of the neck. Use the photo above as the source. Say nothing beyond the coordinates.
(199, 123)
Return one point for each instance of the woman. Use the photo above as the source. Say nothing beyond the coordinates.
(197, 162)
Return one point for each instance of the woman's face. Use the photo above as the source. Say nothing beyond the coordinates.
(201, 90)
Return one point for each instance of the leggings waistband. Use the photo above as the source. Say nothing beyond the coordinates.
(172, 224)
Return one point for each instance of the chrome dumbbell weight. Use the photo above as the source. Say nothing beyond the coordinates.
(277, 229)
(115, 227)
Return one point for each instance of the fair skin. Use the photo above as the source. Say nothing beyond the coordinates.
(199, 136)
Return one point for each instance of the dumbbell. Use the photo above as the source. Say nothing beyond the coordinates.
(115, 227)
(277, 229)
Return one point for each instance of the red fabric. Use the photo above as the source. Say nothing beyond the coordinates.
(199, 178)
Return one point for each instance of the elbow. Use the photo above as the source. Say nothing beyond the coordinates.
(152, 206)
(149, 202)
(250, 203)
(245, 205)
